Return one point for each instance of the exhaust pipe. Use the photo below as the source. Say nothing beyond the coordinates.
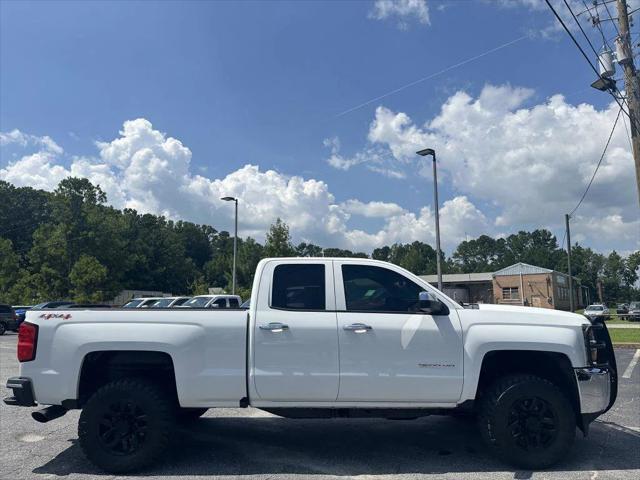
(50, 413)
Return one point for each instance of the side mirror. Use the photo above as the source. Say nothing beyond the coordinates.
(430, 305)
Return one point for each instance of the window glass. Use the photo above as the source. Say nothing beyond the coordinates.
(131, 304)
(233, 303)
(219, 303)
(510, 293)
(368, 288)
(164, 303)
(180, 301)
(198, 302)
(299, 287)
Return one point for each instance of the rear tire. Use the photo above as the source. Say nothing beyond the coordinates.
(126, 425)
(2, 329)
(527, 421)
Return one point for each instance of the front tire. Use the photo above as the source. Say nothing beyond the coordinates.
(527, 421)
(2, 329)
(126, 425)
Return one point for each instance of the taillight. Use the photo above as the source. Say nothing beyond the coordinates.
(27, 341)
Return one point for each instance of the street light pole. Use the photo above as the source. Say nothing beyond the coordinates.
(424, 153)
(235, 242)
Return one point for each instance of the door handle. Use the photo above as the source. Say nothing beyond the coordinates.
(358, 328)
(275, 327)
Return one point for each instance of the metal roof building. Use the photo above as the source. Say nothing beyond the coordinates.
(521, 269)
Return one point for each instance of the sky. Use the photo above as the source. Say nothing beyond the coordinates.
(313, 111)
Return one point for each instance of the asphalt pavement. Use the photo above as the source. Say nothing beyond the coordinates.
(251, 444)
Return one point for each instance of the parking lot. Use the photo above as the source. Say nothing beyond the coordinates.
(248, 443)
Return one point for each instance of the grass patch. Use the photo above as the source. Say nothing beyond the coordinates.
(614, 318)
(625, 335)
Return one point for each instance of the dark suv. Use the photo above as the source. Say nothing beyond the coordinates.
(8, 319)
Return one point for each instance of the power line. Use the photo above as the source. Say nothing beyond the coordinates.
(586, 57)
(583, 32)
(572, 37)
(433, 75)
(597, 166)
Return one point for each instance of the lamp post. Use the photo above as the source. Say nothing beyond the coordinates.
(424, 153)
(235, 242)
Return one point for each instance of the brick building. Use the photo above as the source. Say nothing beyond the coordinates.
(524, 284)
(518, 284)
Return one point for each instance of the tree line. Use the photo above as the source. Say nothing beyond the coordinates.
(70, 244)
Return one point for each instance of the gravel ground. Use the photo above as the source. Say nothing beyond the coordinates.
(250, 444)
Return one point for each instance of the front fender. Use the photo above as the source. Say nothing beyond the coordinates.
(484, 338)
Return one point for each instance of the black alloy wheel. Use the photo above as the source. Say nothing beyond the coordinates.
(123, 428)
(532, 423)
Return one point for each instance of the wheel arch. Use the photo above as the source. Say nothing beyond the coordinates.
(555, 367)
(103, 366)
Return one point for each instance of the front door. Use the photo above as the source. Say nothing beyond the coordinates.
(295, 333)
(389, 350)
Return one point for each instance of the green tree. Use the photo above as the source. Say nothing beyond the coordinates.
(88, 278)
(339, 252)
(22, 211)
(278, 242)
(382, 253)
(587, 266)
(482, 254)
(9, 270)
(308, 250)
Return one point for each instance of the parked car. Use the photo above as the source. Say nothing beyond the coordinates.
(21, 311)
(54, 304)
(634, 311)
(213, 301)
(8, 319)
(169, 302)
(622, 308)
(597, 310)
(144, 302)
(323, 338)
(88, 305)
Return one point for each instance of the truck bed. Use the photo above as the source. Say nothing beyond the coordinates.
(207, 348)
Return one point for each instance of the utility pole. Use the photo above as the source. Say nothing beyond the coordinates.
(625, 58)
(566, 221)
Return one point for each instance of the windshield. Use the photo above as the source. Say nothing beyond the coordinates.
(164, 303)
(132, 304)
(596, 308)
(197, 302)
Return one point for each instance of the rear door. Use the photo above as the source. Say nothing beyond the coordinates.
(389, 350)
(295, 352)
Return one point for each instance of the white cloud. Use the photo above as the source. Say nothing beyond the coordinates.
(530, 162)
(38, 170)
(402, 10)
(22, 139)
(145, 169)
(372, 209)
(375, 160)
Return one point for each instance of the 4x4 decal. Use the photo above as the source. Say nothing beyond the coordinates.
(47, 316)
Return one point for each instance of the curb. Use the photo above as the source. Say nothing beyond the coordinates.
(626, 345)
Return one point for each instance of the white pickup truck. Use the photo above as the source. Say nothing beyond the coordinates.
(323, 338)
